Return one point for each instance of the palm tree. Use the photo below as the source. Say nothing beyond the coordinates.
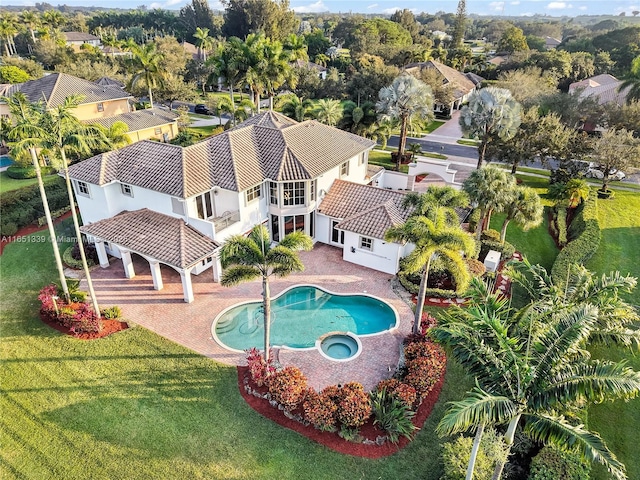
(433, 237)
(632, 82)
(228, 63)
(63, 130)
(53, 19)
(277, 70)
(25, 135)
(358, 119)
(31, 20)
(8, 31)
(531, 369)
(328, 111)
(255, 65)
(116, 135)
(297, 108)
(147, 61)
(436, 199)
(488, 189)
(203, 42)
(251, 257)
(296, 48)
(405, 98)
(380, 132)
(491, 112)
(617, 321)
(524, 208)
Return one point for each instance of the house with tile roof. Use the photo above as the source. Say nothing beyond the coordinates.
(102, 103)
(176, 205)
(76, 39)
(462, 86)
(604, 88)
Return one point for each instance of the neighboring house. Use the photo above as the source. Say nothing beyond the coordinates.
(319, 69)
(156, 199)
(551, 43)
(77, 39)
(461, 85)
(605, 88)
(191, 49)
(109, 82)
(101, 104)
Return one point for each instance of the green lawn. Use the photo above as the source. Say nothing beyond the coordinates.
(7, 184)
(619, 423)
(383, 159)
(137, 406)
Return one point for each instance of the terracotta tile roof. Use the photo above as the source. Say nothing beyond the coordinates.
(167, 239)
(461, 84)
(268, 146)
(364, 209)
(109, 82)
(309, 65)
(54, 88)
(79, 37)
(604, 87)
(139, 120)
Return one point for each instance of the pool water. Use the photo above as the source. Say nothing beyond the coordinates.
(5, 161)
(300, 316)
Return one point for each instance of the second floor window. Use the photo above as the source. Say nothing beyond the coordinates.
(157, 131)
(253, 193)
(101, 107)
(126, 190)
(293, 193)
(204, 206)
(273, 193)
(366, 243)
(344, 169)
(83, 189)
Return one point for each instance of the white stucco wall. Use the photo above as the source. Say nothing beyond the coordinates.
(383, 257)
(395, 181)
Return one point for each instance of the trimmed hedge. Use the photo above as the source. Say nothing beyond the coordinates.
(551, 464)
(20, 173)
(22, 207)
(584, 239)
(411, 287)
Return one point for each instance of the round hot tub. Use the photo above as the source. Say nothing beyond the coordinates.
(339, 346)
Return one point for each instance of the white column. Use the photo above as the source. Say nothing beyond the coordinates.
(102, 253)
(129, 272)
(156, 274)
(187, 287)
(217, 269)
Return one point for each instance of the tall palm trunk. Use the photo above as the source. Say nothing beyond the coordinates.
(52, 233)
(150, 97)
(76, 226)
(267, 315)
(422, 294)
(474, 452)
(482, 150)
(508, 439)
(233, 104)
(503, 230)
(480, 225)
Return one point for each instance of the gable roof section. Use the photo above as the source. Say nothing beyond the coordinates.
(461, 84)
(604, 87)
(138, 120)
(79, 37)
(167, 239)
(364, 209)
(109, 82)
(54, 88)
(234, 160)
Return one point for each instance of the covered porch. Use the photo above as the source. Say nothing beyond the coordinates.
(159, 239)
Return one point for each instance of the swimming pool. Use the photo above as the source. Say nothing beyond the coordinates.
(300, 316)
(5, 161)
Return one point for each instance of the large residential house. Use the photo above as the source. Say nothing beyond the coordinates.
(605, 89)
(76, 39)
(104, 104)
(461, 85)
(176, 205)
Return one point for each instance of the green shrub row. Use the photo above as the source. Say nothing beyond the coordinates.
(584, 239)
(506, 250)
(55, 214)
(411, 287)
(561, 223)
(22, 207)
(551, 464)
(20, 173)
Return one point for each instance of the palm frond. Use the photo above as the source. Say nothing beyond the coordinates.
(240, 250)
(297, 241)
(477, 408)
(556, 431)
(238, 274)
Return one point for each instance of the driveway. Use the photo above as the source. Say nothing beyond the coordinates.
(165, 313)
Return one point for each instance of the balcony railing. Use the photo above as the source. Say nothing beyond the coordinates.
(226, 219)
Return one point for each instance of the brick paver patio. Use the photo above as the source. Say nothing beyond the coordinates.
(165, 312)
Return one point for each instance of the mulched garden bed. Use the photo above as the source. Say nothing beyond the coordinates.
(333, 440)
(108, 327)
(28, 230)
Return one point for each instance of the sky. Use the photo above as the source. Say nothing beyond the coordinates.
(556, 8)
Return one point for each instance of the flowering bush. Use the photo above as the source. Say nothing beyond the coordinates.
(355, 407)
(260, 370)
(78, 317)
(320, 410)
(288, 387)
(425, 370)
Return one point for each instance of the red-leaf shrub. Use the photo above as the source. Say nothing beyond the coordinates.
(76, 316)
(288, 387)
(424, 371)
(355, 407)
(258, 367)
(403, 392)
(320, 410)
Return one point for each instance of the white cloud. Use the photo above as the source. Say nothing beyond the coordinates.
(392, 10)
(311, 8)
(517, 2)
(584, 7)
(558, 5)
(496, 6)
(373, 5)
